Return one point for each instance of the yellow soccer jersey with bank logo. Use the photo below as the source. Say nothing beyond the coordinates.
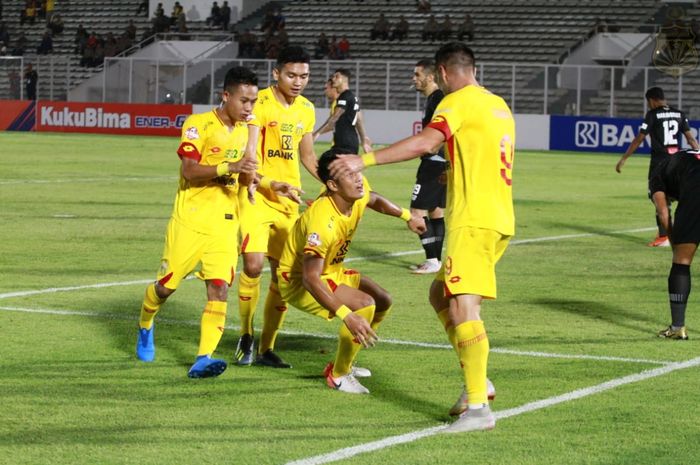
(324, 232)
(281, 130)
(209, 207)
(479, 135)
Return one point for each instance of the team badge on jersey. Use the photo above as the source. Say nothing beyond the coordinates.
(314, 240)
(192, 133)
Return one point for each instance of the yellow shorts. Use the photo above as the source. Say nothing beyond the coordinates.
(264, 229)
(184, 248)
(470, 266)
(294, 293)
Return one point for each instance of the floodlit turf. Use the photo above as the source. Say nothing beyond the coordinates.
(76, 211)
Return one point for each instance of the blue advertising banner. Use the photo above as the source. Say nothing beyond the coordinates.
(594, 134)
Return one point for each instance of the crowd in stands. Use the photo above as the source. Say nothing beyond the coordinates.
(273, 37)
(432, 29)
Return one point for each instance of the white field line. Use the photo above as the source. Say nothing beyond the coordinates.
(8, 295)
(427, 345)
(390, 441)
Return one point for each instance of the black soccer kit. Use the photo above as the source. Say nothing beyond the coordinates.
(345, 138)
(428, 192)
(665, 127)
(679, 178)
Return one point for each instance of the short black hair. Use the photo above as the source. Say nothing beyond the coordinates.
(344, 72)
(455, 53)
(292, 54)
(324, 162)
(428, 65)
(655, 93)
(239, 75)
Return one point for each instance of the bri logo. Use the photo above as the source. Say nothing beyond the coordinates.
(587, 134)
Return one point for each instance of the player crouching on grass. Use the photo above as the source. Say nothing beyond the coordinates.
(203, 227)
(313, 279)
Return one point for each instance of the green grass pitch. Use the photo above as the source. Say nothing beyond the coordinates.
(577, 284)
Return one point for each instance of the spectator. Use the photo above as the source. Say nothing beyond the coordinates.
(56, 24)
(445, 29)
(41, 12)
(46, 45)
(49, 7)
(214, 18)
(283, 37)
(466, 28)
(268, 22)
(130, 30)
(159, 9)
(182, 26)
(400, 29)
(278, 20)
(143, 6)
(430, 29)
(30, 80)
(423, 6)
(177, 9)
(28, 13)
(14, 78)
(161, 23)
(110, 48)
(225, 16)
(380, 28)
(333, 49)
(99, 54)
(20, 45)
(80, 40)
(272, 46)
(343, 48)
(246, 44)
(321, 49)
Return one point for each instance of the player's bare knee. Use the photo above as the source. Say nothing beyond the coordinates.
(383, 301)
(252, 268)
(217, 289)
(163, 292)
(437, 296)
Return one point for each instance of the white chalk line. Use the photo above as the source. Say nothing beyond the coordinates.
(391, 441)
(8, 295)
(426, 345)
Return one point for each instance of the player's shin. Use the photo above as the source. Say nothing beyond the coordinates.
(378, 318)
(275, 311)
(150, 306)
(248, 295)
(348, 347)
(678, 292)
(473, 350)
(212, 327)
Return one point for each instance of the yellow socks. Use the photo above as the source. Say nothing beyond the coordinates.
(212, 328)
(473, 349)
(348, 347)
(150, 306)
(275, 310)
(444, 317)
(378, 318)
(248, 295)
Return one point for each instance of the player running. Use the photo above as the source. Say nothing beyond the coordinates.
(663, 124)
(479, 132)
(313, 279)
(280, 136)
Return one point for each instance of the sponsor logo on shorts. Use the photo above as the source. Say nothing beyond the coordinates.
(455, 279)
(215, 150)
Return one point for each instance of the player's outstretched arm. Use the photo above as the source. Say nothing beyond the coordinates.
(311, 280)
(329, 125)
(412, 147)
(192, 171)
(381, 204)
(282, 189)
(630, 150)
(308, 155)
(662, 211)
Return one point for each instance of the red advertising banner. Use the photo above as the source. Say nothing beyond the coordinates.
(17, 115)
(111, 118)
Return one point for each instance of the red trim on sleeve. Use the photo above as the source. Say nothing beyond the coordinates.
(188, 150)
(312, 251)
(262, 146)
(332, 284)
(439, 123)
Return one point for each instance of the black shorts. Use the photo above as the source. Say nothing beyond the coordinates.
(428, 192)
(686, 222)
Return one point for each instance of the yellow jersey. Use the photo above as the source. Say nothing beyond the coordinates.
(479, 135)
(322, 231)
(210, 207)
(281, 130)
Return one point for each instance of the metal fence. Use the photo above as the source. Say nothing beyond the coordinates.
(385, 85)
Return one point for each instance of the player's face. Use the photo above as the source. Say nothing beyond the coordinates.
(292, 79)
(337, 80)
(329, 90)
(349, 187)
(420, 79)
(238, 104)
